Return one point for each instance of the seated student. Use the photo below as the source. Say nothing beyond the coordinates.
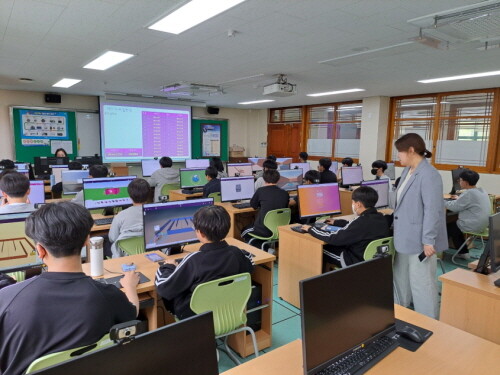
(57, 189)
(351, 240)
(165, 175)
(61, 153)
(473, 207)
(326, 175)
(271, 157)
(7, 164)
(213, 184)
(16, 188)
(303, 156)
(216, 259)
(95, 171)
(267, 198)
(129, 222)
(268, 165)
(62, 308)
(347, 162)
(378, 170)
(216, 162)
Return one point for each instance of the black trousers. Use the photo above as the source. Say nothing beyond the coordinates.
(456, 236)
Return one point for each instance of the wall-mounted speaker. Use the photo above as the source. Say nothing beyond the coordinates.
(52, 98)
(213, 110)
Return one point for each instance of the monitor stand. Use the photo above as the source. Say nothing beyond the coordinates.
(177, 249)
(109, 211)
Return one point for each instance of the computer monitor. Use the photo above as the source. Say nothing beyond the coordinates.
(390, 171)
(304, 166)
(43, 163)
(382, 187)
(171, 223)
(344, 309)
(197, 163)
(236, 188)
(25, 172)
(319, 200)
(257, 163)
(290, 179)
(37, 192)
(334, 167)
(72, 181)
(352, 175)
(17, 251)
(455, 175)
(281, 161)
(89, 160)
(192, 177)
(106, 192)
(490, 258)
(57, 171)
(284, 167)
(167, 350)
(149, 166)
(239, 169)
(22, 166)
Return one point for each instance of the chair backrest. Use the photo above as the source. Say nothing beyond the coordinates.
(165, 189)
(275, 219)
(227, 298)
(56, 358)
(215, 196)
(371, 248)
(132, 245)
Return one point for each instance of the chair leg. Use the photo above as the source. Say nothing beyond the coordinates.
(254, 340)
(229, 352)
(460, 248)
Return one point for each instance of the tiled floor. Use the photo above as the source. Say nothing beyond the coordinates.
(286, 318)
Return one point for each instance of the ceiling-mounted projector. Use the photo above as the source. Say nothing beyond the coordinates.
(281, 87)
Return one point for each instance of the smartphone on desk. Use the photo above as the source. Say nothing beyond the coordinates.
(153, 257)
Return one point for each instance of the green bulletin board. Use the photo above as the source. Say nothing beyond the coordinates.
(35, 128)
(196, 137)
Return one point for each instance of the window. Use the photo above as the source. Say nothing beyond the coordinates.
(281, 115)
(458, 128)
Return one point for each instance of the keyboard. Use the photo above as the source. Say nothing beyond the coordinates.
(192, 191)
(104, 221)
(362, 359)
(298, 228)
(241, 205)
(116, 280)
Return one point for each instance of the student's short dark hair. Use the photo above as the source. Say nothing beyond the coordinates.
(61, 228)
(325, 163)
(271, 176)
(347, 161)
(271, 157)
(379, 164)
(7, 164)
(312, 176)
(366, 195)
(138, 189)
(75, 166)
(211, 172)
(98, 170)
(216, 162)
(213, 222)
(303, 155)
(270, 164)
(166, 162)
(14, 184)
(469, 176)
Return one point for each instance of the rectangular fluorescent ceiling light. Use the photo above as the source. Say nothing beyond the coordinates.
(257, 101)
(66, 82)
(465, 76)
(107, 60)
(335, 92)
(192, 14)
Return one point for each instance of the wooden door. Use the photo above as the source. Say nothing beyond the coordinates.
(283, 140)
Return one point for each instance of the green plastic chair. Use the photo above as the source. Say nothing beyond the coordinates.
(215, 196)
(165, 189)
(471, 237)
(18, 275)
(132, 245)
(273, 220)
(59, 357)
(227, 298)
(371, 248)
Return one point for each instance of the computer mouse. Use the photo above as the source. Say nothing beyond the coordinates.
(410, 333)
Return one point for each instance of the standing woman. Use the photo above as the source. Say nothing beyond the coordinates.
(419, 227)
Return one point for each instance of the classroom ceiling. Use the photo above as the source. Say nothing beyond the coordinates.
(47, 40)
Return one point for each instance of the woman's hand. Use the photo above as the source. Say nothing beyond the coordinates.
(429, 250)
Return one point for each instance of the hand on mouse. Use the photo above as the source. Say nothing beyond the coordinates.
(306, 227)
(130, 280)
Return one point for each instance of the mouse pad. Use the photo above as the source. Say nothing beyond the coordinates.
(408, 344)
(116, 280)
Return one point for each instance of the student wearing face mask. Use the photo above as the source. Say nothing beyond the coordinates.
(347, 245)
(378, 170)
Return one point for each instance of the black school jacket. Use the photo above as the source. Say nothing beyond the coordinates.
(356, 234)
(215, 260)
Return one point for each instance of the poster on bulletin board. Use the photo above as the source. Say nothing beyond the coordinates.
(210, 140)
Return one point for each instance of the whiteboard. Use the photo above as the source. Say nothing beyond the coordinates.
(88, 133)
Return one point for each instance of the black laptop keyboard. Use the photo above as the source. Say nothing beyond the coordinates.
(104, 221)
(241, 205)
(298, 228)
(192, 191)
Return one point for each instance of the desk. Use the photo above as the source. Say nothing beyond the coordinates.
(262, 274)
(240, 218)
(99, 228)
(345, 201)
(448, 351)
(470, 302)
(178, 195)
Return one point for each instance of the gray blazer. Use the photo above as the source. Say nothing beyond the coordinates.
(419, 217)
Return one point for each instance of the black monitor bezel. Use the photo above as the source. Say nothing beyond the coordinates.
(232, 178)
(320, 214)
(295, 170)
(372, 182)
(191, 186)
(132, 177)
(348, 168)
